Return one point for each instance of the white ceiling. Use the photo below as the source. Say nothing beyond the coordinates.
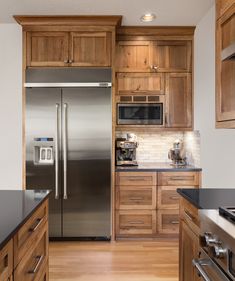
(169, 12)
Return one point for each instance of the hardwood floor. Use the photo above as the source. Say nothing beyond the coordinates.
(116, 261)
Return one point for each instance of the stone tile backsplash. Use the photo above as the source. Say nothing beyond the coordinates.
(154, 147)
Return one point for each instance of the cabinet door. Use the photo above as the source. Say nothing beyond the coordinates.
(225, 63)
(90, 49)
(133, 56)
(189, 250)
(178, 100)
(171, 56)
(47, 48)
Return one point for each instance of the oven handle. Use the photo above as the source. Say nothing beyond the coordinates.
(198, 265)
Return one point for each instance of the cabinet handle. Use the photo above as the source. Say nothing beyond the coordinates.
(40, 259)
(66, 61)
(38, 223)
(136, 198)
(136, 222)
(71, 61)
(175, 222)
(177, 179)
(136, 179)
(188, 215)
(174, 197)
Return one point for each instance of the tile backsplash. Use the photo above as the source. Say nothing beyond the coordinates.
(154, 147)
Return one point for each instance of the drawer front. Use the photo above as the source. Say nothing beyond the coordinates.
(45, 273)
(136, 223)
(168, 198)
(28, 234)
(168, 221)
(136, 178)
(136, 197)
(178, 178)
(6, 261)
(35, 261)
(189, 214)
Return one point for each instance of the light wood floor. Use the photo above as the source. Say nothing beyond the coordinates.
(116, 261)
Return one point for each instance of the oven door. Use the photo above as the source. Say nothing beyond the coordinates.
(209, 270)
(140, 114)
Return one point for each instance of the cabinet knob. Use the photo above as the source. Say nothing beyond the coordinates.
(154, 67)
(66, 61)
(71, 61)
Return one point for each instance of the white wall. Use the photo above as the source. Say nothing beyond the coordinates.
(10, 107)
(217, 146)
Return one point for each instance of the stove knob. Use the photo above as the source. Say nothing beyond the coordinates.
(219, 252)
(210, 240)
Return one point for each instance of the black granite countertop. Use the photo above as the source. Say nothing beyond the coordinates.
(16, 206)
(209, 198)
(157, 167)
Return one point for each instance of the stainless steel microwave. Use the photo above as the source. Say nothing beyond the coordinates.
(140, 113)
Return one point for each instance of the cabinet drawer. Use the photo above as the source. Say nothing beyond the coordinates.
(28, 234)
(178, 178)
(136, 223)
(136, 197)
(168, 198)
(6, 261)
(35, 261)
(136, 178)
(168, 221)
(45, 273)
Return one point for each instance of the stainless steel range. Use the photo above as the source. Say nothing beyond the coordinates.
(217, 245)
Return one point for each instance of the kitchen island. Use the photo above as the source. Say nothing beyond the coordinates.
(193, 204)
(24, 235)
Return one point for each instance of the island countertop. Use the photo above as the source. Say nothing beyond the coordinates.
(209, 198)
(157, 167)
(16, 206)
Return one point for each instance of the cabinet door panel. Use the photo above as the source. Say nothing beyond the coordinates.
(172, 56)
(90, 48)
(47, 48)
(178, 100)
(133, 56)
(189, 250)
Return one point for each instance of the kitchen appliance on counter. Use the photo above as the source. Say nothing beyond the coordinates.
(177, 154)
(68, 148)
(217, 245)
(126, 151)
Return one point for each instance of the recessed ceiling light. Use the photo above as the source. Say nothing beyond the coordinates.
(148, 17)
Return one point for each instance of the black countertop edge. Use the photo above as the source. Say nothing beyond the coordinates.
(209, 198)
(12, 234)
(157, 167)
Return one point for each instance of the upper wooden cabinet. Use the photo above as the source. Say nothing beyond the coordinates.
(179, 110)
(60, 41)
(154, 56)
(171, 56)
(225, 65)
(69, 49)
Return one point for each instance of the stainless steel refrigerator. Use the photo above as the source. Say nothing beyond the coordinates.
(68, 148)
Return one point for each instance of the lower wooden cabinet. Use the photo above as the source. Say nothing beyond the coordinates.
(28, 249)
(147, 203)
(135, 223)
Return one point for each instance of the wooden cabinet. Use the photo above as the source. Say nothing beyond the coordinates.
(171, 56)
(25, 257)
(147, 203)
(68, 48)
(225, 65)
(90, 48)
(178, 108)
(154, 56)
(47, 48)
(6, 261)
(189, 241)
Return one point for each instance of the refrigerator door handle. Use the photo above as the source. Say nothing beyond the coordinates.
(57, 154)
(65, 149)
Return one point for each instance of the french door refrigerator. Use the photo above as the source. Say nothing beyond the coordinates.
(68, 148)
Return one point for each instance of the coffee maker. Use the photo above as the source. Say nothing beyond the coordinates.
(126, 151)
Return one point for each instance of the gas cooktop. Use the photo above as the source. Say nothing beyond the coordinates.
(228, 213)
